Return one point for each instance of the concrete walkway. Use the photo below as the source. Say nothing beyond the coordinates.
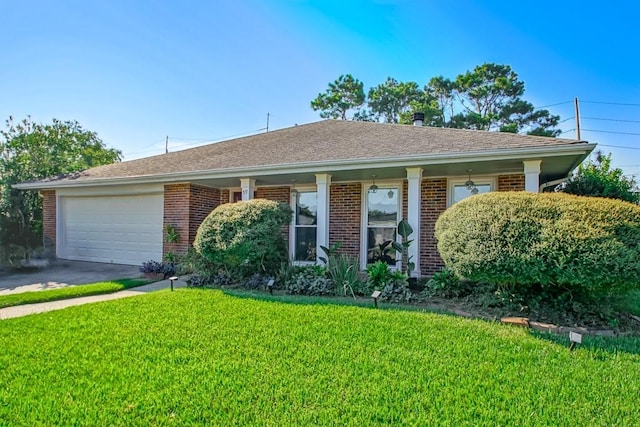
(24, 310)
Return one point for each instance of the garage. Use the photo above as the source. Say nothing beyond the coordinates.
(112, 229)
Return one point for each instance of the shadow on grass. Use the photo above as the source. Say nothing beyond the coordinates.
(598, 345)
(601, 347)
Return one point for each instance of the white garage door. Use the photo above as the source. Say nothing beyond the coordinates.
(113, 229)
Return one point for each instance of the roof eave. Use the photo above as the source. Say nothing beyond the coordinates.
(408, 161)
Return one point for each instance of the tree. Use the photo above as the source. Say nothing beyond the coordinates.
(344, 94)
(31, 151)
(487, 98)
(391, 99)
(596, 178)
(491, 99)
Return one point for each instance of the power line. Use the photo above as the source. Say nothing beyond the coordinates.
(553, 105)
(619, 146)
(611, 131)
(566, 120)
(570, 130)
(628, 104)
(611, 120)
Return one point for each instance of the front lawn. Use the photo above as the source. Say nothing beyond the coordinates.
(97, 288)
(203, 357)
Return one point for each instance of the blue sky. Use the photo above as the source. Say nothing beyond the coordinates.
(135, 72)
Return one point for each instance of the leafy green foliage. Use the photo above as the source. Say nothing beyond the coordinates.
(310, 280)
(596, 178)
(10, 300)
(344, 94)
(405, 230)
(516, 241)
(344, 272)
(487, 98)
(199, 357)
(245, 237)
(31, 151)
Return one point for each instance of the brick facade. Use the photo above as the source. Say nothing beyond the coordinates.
(345, 207)
(49, 217)
(511, 182)
(433, 193)
(185, 207)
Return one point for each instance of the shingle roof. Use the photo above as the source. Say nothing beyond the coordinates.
(319, 142)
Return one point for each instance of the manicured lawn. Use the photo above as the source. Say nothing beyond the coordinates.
(203, 357)
(98, 288)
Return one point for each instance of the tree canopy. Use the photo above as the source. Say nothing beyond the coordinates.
(344, 94)
(490, 97)
(596, 178)
(31, 151)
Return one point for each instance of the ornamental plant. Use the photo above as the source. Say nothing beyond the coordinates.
(578, 244)
(245, 238)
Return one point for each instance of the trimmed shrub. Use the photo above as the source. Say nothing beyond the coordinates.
(245, 238)
(590, 245)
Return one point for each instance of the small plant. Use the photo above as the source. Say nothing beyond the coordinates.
(445, 283)
(329, 252)
(381, 253)
(172, 235)
(379, 274)
(404, 230)
(158, 269)
(310, 280)
(344, 272)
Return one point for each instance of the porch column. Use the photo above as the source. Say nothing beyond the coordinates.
(248, 186)
(532, 175)
(323, 181)
(414, 178)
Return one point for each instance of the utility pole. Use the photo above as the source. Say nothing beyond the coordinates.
(166, 145)
(577, 118)
(267, 122)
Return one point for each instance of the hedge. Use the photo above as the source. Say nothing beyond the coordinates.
(245, 237)
(525, 239)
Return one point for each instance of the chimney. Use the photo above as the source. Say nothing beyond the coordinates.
(418, 119)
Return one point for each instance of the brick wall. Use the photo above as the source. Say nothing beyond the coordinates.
(511, 182)
(434, 202)
(224, 196)
(405, 200)
(345, 207)
(201, 202)
(49, 216)
(185, 207)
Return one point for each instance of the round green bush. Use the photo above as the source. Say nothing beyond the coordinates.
(245, 237)
(525, 239)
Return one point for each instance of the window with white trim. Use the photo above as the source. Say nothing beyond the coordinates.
(459, 191)
(381, 216)
(305, 226)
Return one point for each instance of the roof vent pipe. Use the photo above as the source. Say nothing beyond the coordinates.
(418, 119)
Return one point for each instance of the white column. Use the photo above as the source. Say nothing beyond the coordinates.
(248, 186)
(323, 182)
(532, 175)
(414, 178)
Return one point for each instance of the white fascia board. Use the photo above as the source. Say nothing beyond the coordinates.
(322, 167)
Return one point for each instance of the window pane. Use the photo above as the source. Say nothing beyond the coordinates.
(376, 249)
(461, 192)
(307, 208)
(305, 244)
(382, 207)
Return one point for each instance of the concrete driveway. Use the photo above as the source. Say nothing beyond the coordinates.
(62, 273)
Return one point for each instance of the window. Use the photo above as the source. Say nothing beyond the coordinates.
(382, 208)
(458, 190)
(305, 226)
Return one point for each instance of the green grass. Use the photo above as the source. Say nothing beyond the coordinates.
(98, 288)
(206, 358)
